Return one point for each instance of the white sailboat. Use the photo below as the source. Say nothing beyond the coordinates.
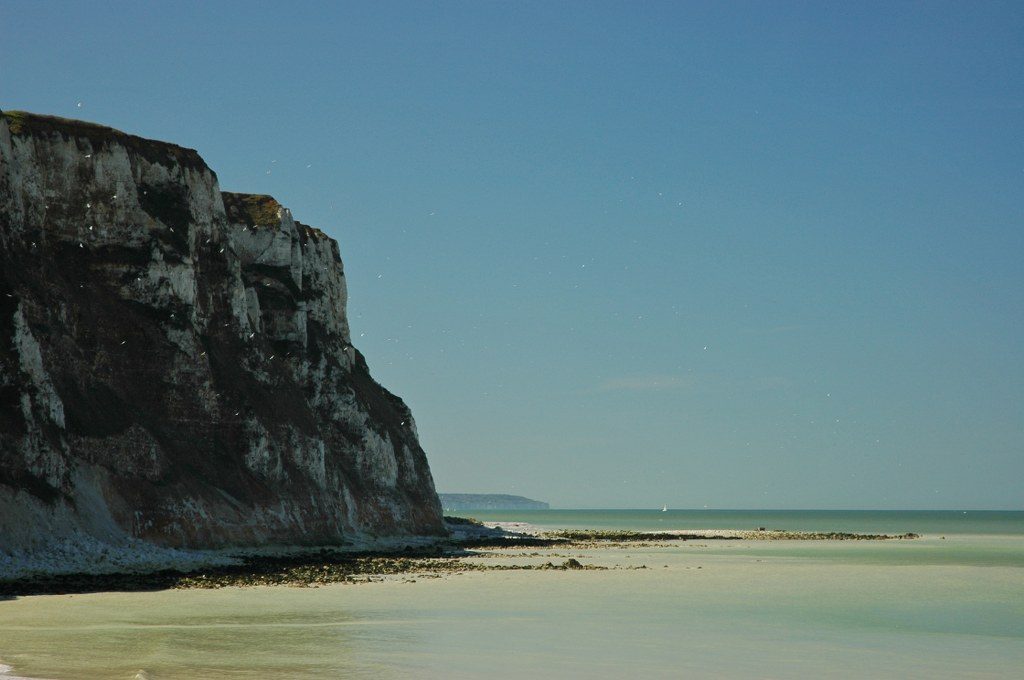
(664, 508)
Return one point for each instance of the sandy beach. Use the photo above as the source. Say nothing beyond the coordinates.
(927, 607)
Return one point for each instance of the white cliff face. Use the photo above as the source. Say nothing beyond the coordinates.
(281, 258)
(324, 273)
(67, 191)
(41, 409)
(31, 363)
(378, 458)
(181, 357)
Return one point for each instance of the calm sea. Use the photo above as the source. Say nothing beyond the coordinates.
(947, 605)
(988, 522)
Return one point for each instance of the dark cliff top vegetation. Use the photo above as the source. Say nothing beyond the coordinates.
(23, 123)
(252, 210)
(261, 210)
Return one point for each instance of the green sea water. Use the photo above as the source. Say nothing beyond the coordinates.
(1009, 523)
(934, 607)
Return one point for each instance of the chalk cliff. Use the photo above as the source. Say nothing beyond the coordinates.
(175, 361)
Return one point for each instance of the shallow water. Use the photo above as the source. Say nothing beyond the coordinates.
(930, 608)
(938, 522)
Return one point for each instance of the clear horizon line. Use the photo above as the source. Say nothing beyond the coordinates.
(846, 509)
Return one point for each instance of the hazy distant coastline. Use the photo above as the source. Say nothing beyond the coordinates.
(489, 501)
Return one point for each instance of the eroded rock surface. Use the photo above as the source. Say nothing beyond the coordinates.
(175, 361)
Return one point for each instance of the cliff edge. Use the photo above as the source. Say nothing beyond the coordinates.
(175, 362)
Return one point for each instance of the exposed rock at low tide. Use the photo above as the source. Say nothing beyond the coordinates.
(491, 550)
(598, 535)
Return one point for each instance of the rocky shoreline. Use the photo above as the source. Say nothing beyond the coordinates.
(460, 553)
(301, 570)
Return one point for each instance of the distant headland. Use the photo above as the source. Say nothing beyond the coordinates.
(489, 501)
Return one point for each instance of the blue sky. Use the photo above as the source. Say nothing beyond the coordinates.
(623, 254)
